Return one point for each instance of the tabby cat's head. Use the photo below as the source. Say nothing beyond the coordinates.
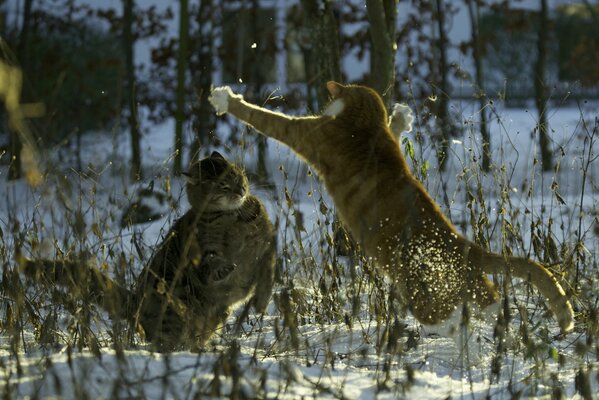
(214, 184)
(360, 106)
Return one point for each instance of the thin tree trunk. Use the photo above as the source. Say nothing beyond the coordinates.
(443, 94)
(322, 58)
(257, 83)
(382, 17)
(25, 28)
(473, 12)
(322, 64)
(128, 43)
(204, 120)
(540, 88)
(15, 144)
(181, 67)
(2, 19)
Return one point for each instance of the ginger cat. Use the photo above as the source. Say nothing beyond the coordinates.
(387, 210)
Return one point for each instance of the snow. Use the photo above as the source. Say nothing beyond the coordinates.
(325, 355)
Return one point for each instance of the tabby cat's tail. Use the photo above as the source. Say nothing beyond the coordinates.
(539, 276)
(83, 282)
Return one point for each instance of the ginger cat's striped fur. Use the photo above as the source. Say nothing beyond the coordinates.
(387, 210)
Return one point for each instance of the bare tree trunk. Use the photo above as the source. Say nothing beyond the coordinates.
(128, 43)
(540, 89)
(473, 12)
(382, 17)
(322, 64)
(322, 58)
(25, 29)
(443, 93)
(257, 83)
(2, 19)
(204, 120)
(15, 144)
(180, 96)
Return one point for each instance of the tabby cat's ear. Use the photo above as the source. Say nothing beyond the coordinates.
(216, 154)
(334, 88)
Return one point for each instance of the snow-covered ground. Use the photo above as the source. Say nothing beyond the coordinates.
(345, 341)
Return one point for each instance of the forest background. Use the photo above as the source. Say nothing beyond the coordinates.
(493, 84)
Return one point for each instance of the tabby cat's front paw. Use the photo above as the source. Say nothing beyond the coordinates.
(223, 271)
(219, 98)
(215, 268)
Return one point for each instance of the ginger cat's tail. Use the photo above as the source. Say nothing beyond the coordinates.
(84, 281)
(537, 274)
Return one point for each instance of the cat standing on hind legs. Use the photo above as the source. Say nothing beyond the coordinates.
(219, 254)
(387, 210)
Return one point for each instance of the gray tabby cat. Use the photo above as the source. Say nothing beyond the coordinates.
(219, 254)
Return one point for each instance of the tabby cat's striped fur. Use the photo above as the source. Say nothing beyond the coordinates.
(218, 254)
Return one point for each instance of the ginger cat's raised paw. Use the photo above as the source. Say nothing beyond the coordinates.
(219, 98)
(401, 119)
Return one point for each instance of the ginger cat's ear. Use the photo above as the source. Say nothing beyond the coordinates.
(334, 88)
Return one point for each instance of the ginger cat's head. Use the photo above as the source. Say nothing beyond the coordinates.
(360, 106)
(214, 184)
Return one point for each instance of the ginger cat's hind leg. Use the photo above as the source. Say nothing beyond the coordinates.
(433, 309)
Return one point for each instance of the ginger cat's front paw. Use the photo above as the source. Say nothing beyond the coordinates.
(401, 119)
(219, 98)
